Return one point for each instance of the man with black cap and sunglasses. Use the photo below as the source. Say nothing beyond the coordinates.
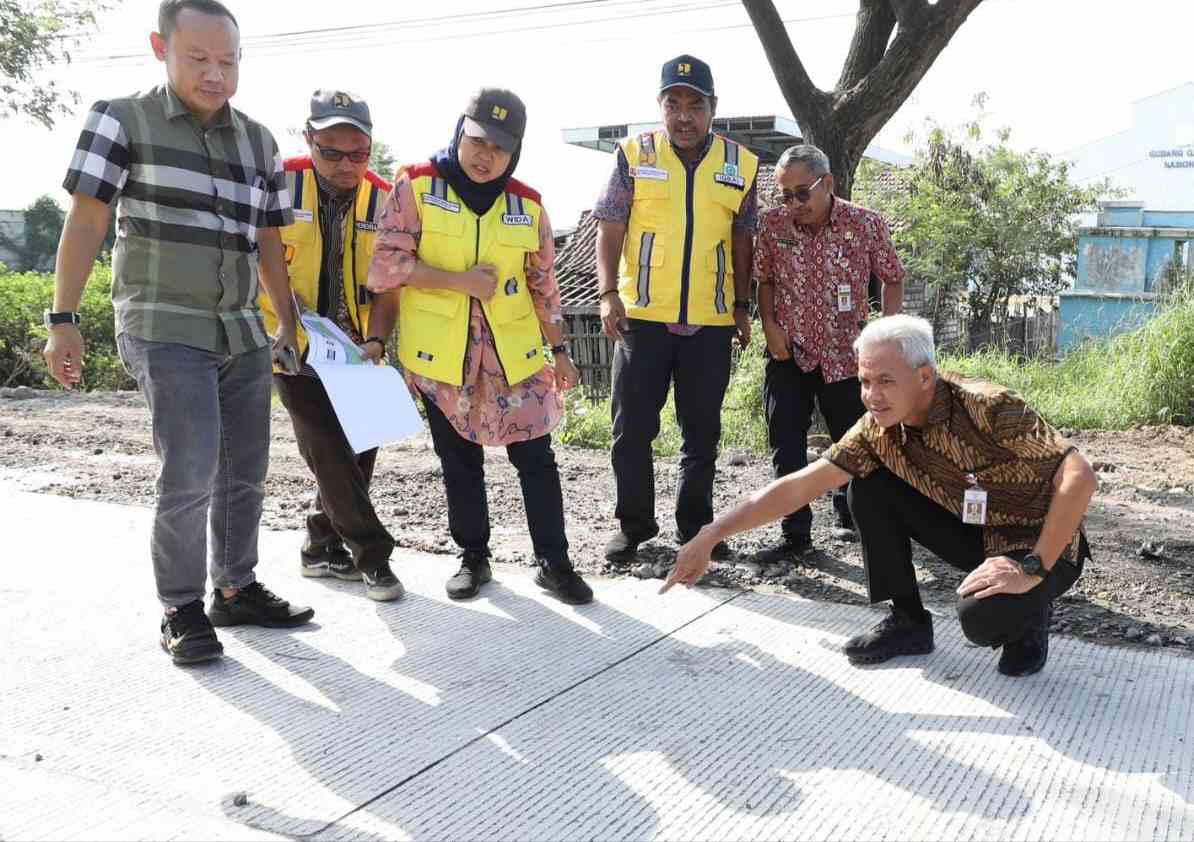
(674, 254)
(337, 204)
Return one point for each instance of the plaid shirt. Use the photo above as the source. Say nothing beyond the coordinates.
(973, 427)
(191, 201)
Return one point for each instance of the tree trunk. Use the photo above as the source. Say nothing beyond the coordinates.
(879, 73)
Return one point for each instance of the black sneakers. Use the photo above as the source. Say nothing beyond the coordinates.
(896, 634)
(381, 585)
(775, 561)
(329, 561)
(562, 580)
(187, 635)
(256, 605)
(1027, 655)
(621, 547)
(473, 573)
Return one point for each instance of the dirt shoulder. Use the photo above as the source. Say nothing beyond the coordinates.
(99, 447)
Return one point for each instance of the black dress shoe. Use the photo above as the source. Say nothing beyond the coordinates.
(1027, 655)
(256, 605)
(898, 633)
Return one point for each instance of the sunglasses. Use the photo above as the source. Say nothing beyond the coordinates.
(358, 156)
(800, 194)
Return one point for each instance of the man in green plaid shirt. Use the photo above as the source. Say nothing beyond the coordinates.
(200, 198)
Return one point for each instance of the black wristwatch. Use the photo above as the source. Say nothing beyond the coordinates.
(1033, 566)
(739, 304)
(559, 349)
(66, 317)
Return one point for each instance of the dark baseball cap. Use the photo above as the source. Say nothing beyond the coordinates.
(497, 115)
(689, 72)
(336, 108)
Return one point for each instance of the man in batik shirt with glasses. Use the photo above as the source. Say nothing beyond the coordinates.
(814, 258)
(337, 204)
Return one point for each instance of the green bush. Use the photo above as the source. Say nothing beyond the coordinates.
(23, 297)
(1137, 378)
(588, 423)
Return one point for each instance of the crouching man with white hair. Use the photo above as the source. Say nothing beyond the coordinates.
(966, 469)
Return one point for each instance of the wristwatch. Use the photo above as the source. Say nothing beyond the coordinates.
(1033, 566)
(739, 304)
(66, 317)
(559, 349)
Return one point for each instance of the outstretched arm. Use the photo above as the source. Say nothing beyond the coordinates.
(773, 502)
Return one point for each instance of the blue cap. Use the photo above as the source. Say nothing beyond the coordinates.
(688, 72)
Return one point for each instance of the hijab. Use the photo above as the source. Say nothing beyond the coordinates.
(478, 197)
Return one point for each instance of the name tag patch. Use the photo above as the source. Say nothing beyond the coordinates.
(517, 219)
(845, 298)
(732, 180)
(371, 227)
(652, 173)
(301, 215)
(444, 204)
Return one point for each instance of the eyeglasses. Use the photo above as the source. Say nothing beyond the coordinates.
(357, 156)
(800, 194)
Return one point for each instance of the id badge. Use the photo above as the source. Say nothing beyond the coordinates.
(845, 298)
(974, 506)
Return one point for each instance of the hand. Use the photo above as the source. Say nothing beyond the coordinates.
(777, 342)
(613, 316)
(64, 354)
(692, 561)
(742, 322)
(373, 350)
(566, 374)
(998, 574)
(285, 349)
(480, 282)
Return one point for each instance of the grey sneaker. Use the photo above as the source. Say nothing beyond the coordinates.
(381, 585)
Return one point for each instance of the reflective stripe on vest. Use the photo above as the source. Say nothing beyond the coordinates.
(677, 260)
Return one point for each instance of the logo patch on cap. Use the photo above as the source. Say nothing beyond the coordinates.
(684, 69)
(342, 100)
(500, 113)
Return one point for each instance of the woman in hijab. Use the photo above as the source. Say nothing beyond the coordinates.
(471, 250)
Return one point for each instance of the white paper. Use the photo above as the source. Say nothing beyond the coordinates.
(371, 401)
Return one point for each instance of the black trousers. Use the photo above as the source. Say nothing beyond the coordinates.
(344, 513)
(463, 462)
(788, 396)
(889, 514)
(647, 361)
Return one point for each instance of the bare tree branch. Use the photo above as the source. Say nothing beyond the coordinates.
(876, 21)
(906, 11)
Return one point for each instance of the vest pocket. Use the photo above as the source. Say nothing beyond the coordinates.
(651, 190)
(441, 302)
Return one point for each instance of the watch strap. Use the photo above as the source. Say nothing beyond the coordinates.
(739, 304)
(559, 349)
(65, 317)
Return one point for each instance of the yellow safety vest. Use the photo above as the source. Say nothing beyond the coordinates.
(433, 323)
(678, 259)
(303, 244)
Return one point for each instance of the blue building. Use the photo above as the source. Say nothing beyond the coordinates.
(1123, 261)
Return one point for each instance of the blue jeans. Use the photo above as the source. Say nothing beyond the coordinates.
(211, 431)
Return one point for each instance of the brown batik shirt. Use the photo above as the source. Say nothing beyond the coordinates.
(973, 428)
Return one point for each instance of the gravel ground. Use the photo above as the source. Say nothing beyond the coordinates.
(1139, 589)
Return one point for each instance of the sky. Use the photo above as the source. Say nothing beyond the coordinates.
(1059, 73)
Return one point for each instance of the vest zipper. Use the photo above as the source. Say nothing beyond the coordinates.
(686, 268)
(501, 365)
